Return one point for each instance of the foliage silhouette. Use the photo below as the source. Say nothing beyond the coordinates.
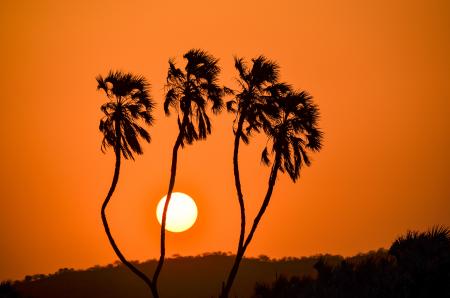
(129, 103)
(416, 265)
(186, 276)
(374, 274)
(423, 260)
(188, 92)
(291, 135)
(8, 290)
(288, 118)
(251, 108)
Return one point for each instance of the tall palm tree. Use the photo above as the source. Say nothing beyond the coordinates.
(128, 106)
(188, 92)
(252, 109)
(291, 134)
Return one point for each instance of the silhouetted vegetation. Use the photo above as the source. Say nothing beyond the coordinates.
(188, 92)
(416, 265)
(129, 104)
(290, 121)
(288, 118)
(187, 276)
(251, 109)
(8, 290)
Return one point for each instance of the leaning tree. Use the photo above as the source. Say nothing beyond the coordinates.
(290, 121)
(127, 109)
(189, 93)
(251, 108)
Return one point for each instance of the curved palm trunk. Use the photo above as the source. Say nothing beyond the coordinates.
(272, 180)
(136, 271)
(240, 255)
(237, 181)
(173, 173)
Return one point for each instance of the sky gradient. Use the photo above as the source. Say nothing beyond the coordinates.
(379, 72)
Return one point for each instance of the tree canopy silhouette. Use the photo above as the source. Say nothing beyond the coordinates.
(290, 121)
(128, 105)
(417, 265)
(251, 109)
(291, 135)
(189, 93)
(424, 261)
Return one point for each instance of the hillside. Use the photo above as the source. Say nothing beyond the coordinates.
(416, 265)
(199, 276)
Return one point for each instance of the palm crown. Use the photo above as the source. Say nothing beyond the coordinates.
(293, 133)
(251, 103)
(129, 103)
(189, 91)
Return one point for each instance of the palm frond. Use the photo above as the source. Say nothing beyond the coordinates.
(265, 157)
(231, 106)
(101, 84)
(264, 71)
(245, 139)
(174, 73)
(170, 100)
(314, 137)
(191, 91)
(293, 130)
(256, 98)
(241, 66)
(228, 91)
(130, 103)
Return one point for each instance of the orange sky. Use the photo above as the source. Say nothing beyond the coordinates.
(379, 73)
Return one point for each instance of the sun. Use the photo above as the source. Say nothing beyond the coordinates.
(181, 213)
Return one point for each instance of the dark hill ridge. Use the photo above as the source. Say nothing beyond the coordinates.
(188, 276)
(417, 265)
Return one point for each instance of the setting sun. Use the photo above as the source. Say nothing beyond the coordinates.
(181, 214)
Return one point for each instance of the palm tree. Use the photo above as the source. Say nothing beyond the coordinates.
(423, 262)
(188, 92)
(291, 135)
(128, 104)
(252, 109)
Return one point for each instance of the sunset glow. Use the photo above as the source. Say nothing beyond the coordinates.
(378, 72)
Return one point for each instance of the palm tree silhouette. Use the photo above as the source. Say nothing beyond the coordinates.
(423, 260)
(188, 92)
(291, 134)
(252, 109)
(129, 103)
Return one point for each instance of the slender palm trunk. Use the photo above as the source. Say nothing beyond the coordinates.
(240, 254)
(271, 185)
(173, 172)
(136, 271)
(237, 181)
